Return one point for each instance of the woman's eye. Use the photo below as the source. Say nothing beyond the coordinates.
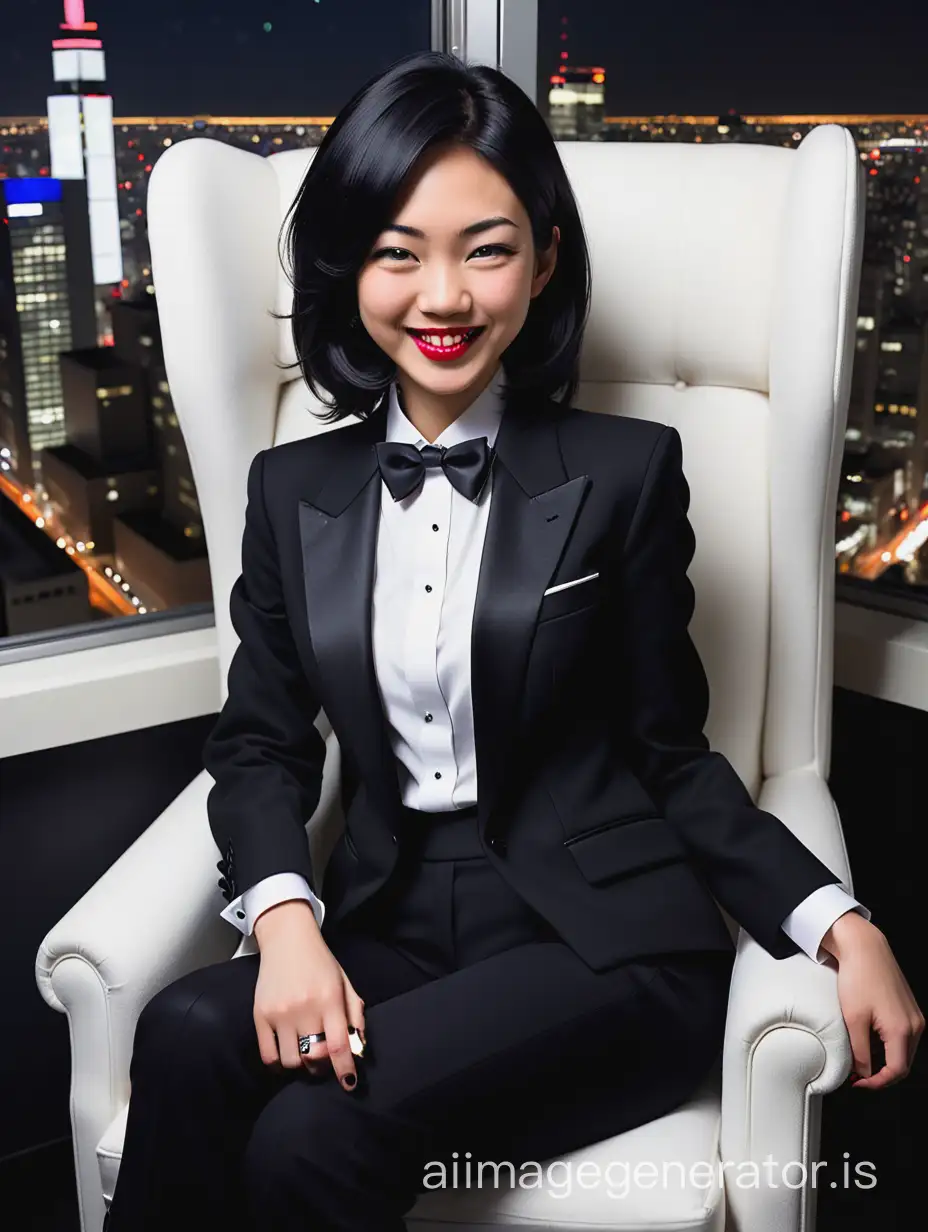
(397, 254)
(383, 252)
(493, 249)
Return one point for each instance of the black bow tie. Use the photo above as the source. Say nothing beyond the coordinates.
(466, 464)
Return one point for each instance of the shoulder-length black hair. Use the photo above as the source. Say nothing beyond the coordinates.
(346, 198)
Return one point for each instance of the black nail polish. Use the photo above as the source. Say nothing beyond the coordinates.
(349, 1080)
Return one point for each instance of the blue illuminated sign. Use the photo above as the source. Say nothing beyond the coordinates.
(29, 189)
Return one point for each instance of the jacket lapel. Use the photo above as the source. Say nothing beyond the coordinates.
(338, 538)
(533, 510)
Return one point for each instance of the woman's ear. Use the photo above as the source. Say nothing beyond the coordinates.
(545, 261)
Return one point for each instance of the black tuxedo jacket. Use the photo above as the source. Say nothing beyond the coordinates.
(599, 798)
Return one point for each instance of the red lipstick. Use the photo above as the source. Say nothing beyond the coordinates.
(424, 340)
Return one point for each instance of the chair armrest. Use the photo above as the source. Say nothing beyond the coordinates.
(786, 1045)
(152, 917)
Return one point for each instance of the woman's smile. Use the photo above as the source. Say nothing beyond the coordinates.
(444, 345)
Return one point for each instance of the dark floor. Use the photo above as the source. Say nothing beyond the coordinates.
(878, 783)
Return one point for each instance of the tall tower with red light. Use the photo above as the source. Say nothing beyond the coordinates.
(576, 97)
(80, 135)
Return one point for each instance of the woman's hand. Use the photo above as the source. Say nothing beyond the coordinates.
(873, 990)
(302, 990)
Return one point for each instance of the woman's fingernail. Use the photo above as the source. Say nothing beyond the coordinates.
(349, 1080)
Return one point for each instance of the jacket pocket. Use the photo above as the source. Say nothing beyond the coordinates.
(624, 846)
(586, 594)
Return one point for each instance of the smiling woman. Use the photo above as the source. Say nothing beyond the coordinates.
(459, 300)
(539, 840)
(435, 235)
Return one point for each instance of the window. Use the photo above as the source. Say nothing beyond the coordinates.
(605, 77)
(99, 519)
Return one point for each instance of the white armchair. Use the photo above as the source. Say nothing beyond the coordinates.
(724, 303)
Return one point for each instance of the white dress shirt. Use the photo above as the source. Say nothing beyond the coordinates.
(421, 644)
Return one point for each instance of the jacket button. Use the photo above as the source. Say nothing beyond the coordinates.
(498, 845)
(393, 836)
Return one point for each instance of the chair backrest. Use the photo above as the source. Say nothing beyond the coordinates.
(725, 283)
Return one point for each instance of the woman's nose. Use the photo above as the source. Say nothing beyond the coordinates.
(443, 293)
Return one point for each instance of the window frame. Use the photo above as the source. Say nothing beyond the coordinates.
(84, 682)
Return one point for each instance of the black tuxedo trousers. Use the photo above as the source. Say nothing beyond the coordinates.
(489, 1042)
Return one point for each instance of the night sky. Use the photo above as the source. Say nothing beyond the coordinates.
(178, 57)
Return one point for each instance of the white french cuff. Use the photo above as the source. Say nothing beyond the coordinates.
(808, 923)
(278, 888)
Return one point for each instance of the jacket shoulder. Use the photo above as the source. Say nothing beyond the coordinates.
(315, 452)
(609, 437)
(607, 426)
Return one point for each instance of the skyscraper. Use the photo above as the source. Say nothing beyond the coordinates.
(80, 134)
(576, 97)
(46, 307)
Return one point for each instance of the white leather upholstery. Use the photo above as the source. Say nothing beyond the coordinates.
(724, 303)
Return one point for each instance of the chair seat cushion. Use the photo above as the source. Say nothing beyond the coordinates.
(664, 1174)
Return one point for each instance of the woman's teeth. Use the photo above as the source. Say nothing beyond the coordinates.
(444, 339)
(441, 346)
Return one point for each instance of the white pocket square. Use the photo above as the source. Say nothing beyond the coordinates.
(576, 582)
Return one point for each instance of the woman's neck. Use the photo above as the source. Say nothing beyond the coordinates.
(431, 413)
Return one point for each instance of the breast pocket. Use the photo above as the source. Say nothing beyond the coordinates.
(578, 595)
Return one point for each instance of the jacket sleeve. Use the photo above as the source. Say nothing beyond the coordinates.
(264, 752)
(752, 863)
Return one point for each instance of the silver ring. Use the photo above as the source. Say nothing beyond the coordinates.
(306, 1041)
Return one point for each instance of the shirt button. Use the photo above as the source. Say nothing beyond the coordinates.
(428, 588)
(434, 526)
(428, 718)
(240, 914)
(438, 774)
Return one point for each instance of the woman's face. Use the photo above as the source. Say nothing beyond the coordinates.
(424, 278)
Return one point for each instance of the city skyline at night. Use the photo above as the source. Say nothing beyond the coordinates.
(55, 382)
(248, 59)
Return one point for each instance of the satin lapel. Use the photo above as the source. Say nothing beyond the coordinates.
(338, 534)
(533, 510)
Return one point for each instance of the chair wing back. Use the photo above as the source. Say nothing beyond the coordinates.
(725, 290)
(725, 283)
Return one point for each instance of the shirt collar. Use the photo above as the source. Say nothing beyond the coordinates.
(481, 418)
